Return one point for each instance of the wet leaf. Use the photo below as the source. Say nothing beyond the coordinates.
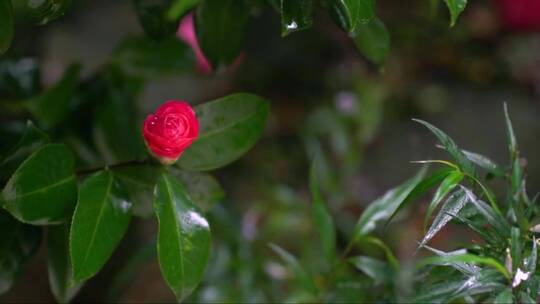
(373, 40)
(350, 13)
(466, 258)
(43, 189)
(493, 218)
(447, 185)
(296, 15)
(485, 163)
(184, 238)
(229, 127)
(100, 220)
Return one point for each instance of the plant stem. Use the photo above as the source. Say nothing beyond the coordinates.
(135, 162)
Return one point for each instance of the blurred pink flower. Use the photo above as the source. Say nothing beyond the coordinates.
(523, 15)
(186, 32)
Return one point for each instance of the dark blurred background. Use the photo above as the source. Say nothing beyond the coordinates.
(325, 99)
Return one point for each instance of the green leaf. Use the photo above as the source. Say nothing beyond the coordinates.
(493, 218)
(18, 243)
(296, 15)
(301, 274)
(504, 297)
(180, 7)
(383, 207)
(144, 57)
(221, 27)
(204, 190)
(59, 264)
(351, 13)
(390, 257)
(451, 147)
(116, 130)
(373, 40)
(422, 187)
(6, 25)
(19, 79)
(531, 261)
(465, 268)
(377, 270)
(100, 220)
(515, 247)
(152, 16)
(51, 107)
(447, 185)
(455, 7)
(32, 139)
(322, 218)
(465, 258)
(183, 238)
(485, 163)
(48, 10)
(229, 127)
(512, 142)
(43, 189)
(451, 207)
(139, 182)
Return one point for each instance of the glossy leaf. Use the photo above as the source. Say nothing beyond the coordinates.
(301, 274)
(451, 207)
(466, 258)
(221, 26)
(144, 57)
(203, 189)
(48, 10)
(100, 220)
(32, 139)
(373, 40)
(184, 238)
(447, 185)
(422, 187)
(296, 15)
(451, 147)
(512, 142)
(180, 8)
(504, 297)
(152, 16)
(229, 127)
(322, 219)
(18, 243)
(59, 264)
(467, 269)
(6, 25)
(51, 107)
(383, 207)
(43, 189)
(139, 183)
(515, 248)
(485, 163)
(493, 218)
(455, 7)
(351, 13)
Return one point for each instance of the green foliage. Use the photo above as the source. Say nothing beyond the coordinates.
(100, 220)
(6, 25)
(184, 239)
(296, 15)
(455, 7)
(373, 40)
(229, 127)
(351, 13)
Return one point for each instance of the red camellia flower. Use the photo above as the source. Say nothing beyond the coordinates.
(521, 15)
(169, 131)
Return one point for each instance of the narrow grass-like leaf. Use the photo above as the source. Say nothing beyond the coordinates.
(377, 270)
(485, 163)
(184, 238)
(451, 207)
(422, 187)
(504, 297)
(303, 277)
(465, 268)
(447, 185)
(493, 218)
(322, 218)
(383, 207)
(512, 142)
(387, 251)
(100, 220)
(466, 258)
(451, 147)
(515, 247)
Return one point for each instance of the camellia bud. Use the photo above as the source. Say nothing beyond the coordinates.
(169, 131)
